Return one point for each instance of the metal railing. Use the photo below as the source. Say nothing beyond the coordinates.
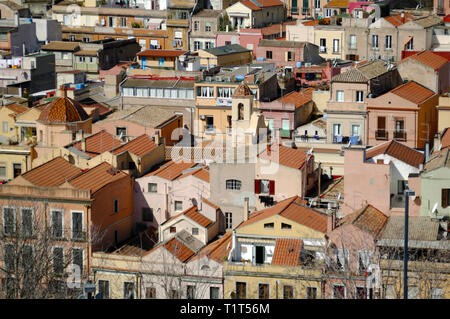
(381, 134)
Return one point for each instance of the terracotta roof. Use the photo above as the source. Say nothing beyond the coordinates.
(297, 98)
(63, 110)
(60, 46)
(396, 20)
(242, 90)
(210, 203)
(352, 75)
(179, 249)
(86, 52)
(368, 219)
(52, 173)
(195, 215)
(287, 252)
(419, 228)
(399, 151)
(363, 72)
(216, 250)
(139, 146)
(162, 53)
(97, 177)
(291, 208)
(337, 4)
(172, 170)
(97, 143)
(315, 22)
(413, 91)
(429, 59)
(17, 109)
(428, 21)
(284, 155)
(201, 173)
(251, 5)
(445, 138)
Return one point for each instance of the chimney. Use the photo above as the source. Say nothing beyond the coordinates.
(402, 15)
(427, 151)
(63, 90)
(246, 212)
(157, 138)
(83, 144)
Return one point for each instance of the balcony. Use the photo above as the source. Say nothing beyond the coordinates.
(381, 134)
(400, 135)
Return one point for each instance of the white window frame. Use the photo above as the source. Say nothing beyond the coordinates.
(375, 43)
(386, 42)
(175, 205)
(233, 184)
(71, 221)
(360, 97)
(352, 44)
(228, 216)
(340, 96)
(352, 129)
(336, 46)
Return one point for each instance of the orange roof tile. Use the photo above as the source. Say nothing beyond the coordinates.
(445, 138)
(396, 20)
(139, 146)
(291, 208)
(337, 4)
(297, 98)
(17, 109)
(399, 151)
(52, 173)
(249, 4)
(368, 219)
(210, 203)
(162, 53)
(413, 91)
(287, 252)
(63, 110)
(216, 250)
(178, 249)
(284, 155)
(171, 170)
(315, 22)
(97, 143)
(242, 90)
(195, 215)
(201, 173)
(97, 177)
(429, 59)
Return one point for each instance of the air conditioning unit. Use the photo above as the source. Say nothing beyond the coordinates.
(227, 79)
(208, 79)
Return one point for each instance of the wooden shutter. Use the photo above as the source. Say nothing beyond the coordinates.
(445, 197)
(271, 187)
(257, 186)
(381, 122)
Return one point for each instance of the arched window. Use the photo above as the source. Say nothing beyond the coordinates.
(233, 184)
(240, 111)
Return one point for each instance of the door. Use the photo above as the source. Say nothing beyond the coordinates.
(259, 255)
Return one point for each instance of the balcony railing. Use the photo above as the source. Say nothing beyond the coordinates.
(381, 134)
(323, 49)
(400, 135)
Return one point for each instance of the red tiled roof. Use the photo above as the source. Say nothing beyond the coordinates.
(315, 22)
(284, 155)
(337, 4)
(216, 250)
(17, 109)
(396, 20)
(97, 177)
(399, 151)
(445, 139)
(98, 143)
(413, 91)
(201, 173)
(287, 252)
(291, 208)
(193, 214)
(297, 98)
(171, 170)
(139, 146)
(178, 249)
(368, 219)
(63, 110)
(430, 59)
(210, 203)
(162, 53)
(52, 173)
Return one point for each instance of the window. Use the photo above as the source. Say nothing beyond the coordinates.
(103, 288)
(286, 226)
(311, 292)
(338, 292)
(116, 205)
(270, 124)
(225, 92)
(173, 294)
(263, 291)
(445, 201)
(58, 260)
(269, 225)
(361, 293)
(178, 205)
(323, 45)
(9, 253)
(288, 292)
(241, 290)
(208, 27)
(209, 123)
(196, 24)
(374, 41)
(194, 231)
(152, 187)
(359, 96)
(205, 91)
(264, 186)
(436, 293)
(356, 130)
(228, 220)
(173, 229)
(290, 56)
(27, 221)
(269, 55)
(352, 41)
(335, 45)
(233, 184)
(17, 169)
(147, 214)
(260, 255)
(150, 292)
(381, 130)
(77, 225)
(227, 42)
(128, 290)
(240, 111)
(190, 292)
(213, 292)
(410, 44)
(339, 96)
(27, 259)
(197, 45)
(9, 220)
(5, 127)
(77, 257)
(57, 224)
(388, 42)
(178, 35)
(336, 129)
(2, 170)
(121, 131)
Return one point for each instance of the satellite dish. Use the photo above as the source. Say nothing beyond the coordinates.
(433, 210)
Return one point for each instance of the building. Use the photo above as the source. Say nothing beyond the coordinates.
(160, 59)
(276, 253)
(18, 37)
(249, 14)
(406, 113)
(15, 160)
(8, 114)
(379, 176)
(64, 53)
(441, 7)
(205, 25)
(443, 109)
(225, 55)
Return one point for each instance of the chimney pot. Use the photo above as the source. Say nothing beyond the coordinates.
(246, 209)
